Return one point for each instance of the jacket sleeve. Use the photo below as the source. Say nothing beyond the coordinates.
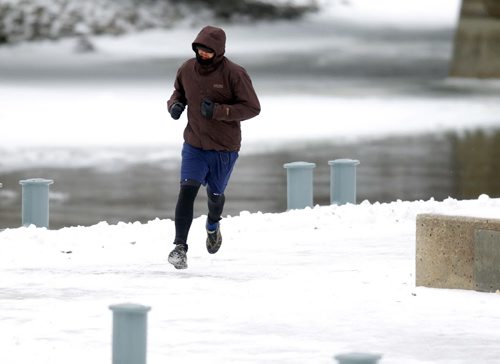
(246, 104)
(178, 95)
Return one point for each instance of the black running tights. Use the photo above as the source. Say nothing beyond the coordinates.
(185, 206)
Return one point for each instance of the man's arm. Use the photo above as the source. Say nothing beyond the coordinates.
(246, 103)
(178, 96)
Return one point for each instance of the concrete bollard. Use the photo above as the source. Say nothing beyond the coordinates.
(358, 358)
(35, 201)
(299, 184)
(343, 181)
(129, 333)
(1, 185)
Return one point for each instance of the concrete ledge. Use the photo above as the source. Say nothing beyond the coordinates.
(446, 252)
(487, 260)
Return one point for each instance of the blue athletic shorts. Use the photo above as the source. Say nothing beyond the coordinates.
(209, 167)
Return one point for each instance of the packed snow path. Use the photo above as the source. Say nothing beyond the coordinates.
(295, 287)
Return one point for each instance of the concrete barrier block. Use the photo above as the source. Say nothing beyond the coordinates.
(445, 250)
(487, 260)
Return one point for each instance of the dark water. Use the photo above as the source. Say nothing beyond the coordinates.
(461, 166)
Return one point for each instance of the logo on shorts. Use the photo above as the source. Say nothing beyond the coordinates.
(218, 85)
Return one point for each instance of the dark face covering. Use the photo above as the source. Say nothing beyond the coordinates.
(204, 62)
(207, 61)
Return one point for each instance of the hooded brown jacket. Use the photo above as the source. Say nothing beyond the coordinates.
(227, 84)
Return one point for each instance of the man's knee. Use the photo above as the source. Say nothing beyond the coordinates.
(215, 198)
(190, 182)
(188, 191)
(215, 205)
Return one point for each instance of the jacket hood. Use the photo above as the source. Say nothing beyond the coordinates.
(213, 38)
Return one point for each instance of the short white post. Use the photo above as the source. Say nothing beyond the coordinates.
(129, 333)
(299, 184)
(343, 181)
(357, 358)
(35, 201)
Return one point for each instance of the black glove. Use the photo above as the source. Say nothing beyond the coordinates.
(176, 110)
(207, 108)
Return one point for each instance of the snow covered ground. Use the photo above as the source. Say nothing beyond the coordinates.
(295, 287)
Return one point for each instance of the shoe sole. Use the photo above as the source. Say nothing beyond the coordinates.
(213, 247)
(177, 263)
